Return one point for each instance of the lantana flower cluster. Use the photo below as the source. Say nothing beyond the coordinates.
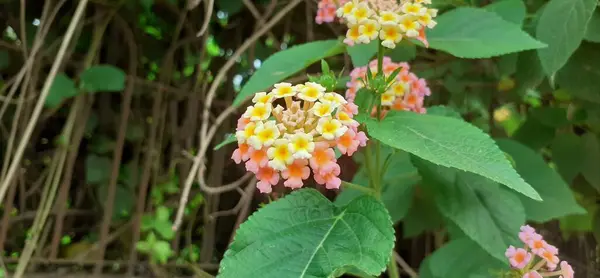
(388, 20)
(538, 258)
(289, 141)
(407, 92)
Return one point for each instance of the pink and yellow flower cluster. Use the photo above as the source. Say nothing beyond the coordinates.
(538, 258)
(288, 141)
(407, 91)
(389, 20)
(327, 10)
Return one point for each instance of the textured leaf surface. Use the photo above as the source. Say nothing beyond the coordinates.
(491, 36)
(562, 26)
(305, 235)
(479, 207)
(102, 78)
(449, 142)
(557, 198)
(450, 261)
(284, 64)
(62, 88)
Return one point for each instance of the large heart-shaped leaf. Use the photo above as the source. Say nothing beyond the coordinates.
(448, 142)
(305, 235)
(284, 64)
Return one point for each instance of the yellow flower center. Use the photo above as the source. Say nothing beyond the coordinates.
(329, 127)
(265, 135)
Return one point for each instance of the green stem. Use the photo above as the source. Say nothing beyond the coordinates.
(393, 268)
(360, 188)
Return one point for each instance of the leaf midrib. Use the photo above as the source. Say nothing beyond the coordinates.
(320, 245)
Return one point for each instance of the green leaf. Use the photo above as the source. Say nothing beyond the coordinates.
(567, 151)
(97, 169)
(448, 142)
(510, 10)
(529, 72)
(557, 198)
(102, 78)
(551, 116)
(161, 251)
(591, 160)
(164, 228)
(4, 59)
(534, 134)
(143, 246)
(362, 54)
(580, 75)
(592, 32)
(449, 262)
(305, 235)
(491, 36)
(123, 203)
(162, 213)
(422, 216)
(398, 183)
(62, 88)
(404, 52)
(562, 26)
(229, 138)
(480, 208)
(284, 64)
(445, 111)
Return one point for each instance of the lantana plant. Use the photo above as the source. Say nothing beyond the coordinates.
(292, 136)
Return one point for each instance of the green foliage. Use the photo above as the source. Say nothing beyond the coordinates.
(449, 142)
(97, 169)
(102, 78)
(592, 32)
(491, 36)
(510, 10)
(160, 223)
(579, 77)
(285, 63)
(562, 36)
(449, 262)
(557, 199)
(62, 88)
(486, 213)
(159, 250)
(305, 235)
(361, 54)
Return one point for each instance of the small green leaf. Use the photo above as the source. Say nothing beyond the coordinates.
(164, 228)
(482, 210)
(284, 64)
(162, 213)
(143, 247)
(404, 52)
(361, 54)
(102, 78)
(305, 235)
(449, 262)
(510, 10)
(449, 142)
(229, 138)
(62, 88)
(161, 251)
(534, 134)
(491, 36)
(147, 223)
(562, 26)
(97, 169)
(423, 215)
(557, 198)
